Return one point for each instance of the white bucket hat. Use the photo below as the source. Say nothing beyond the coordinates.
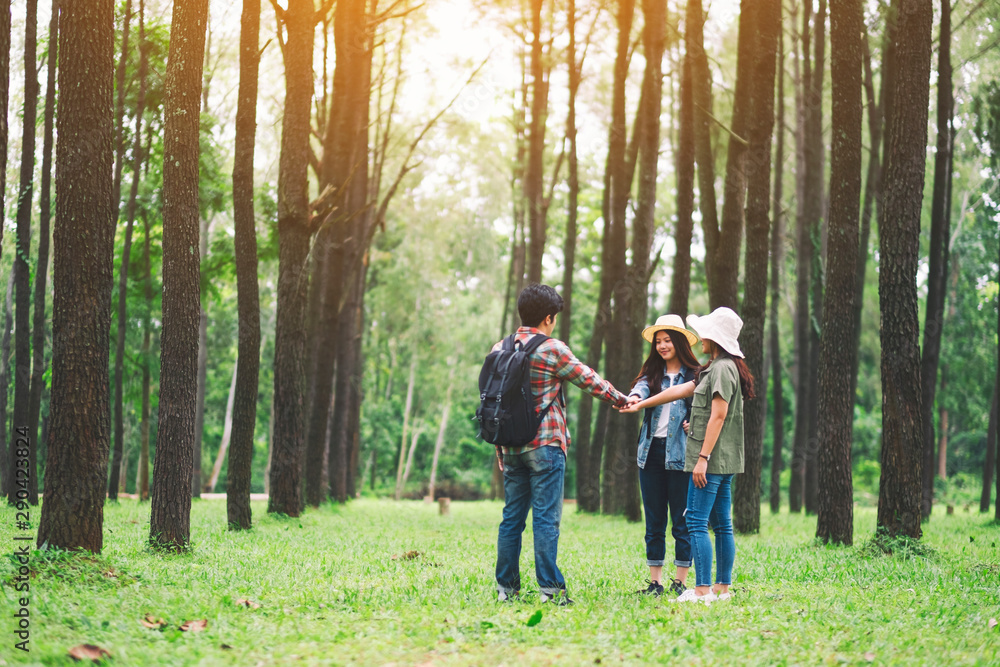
(671, 323)
(722, 326)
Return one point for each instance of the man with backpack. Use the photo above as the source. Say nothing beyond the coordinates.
(523, 413)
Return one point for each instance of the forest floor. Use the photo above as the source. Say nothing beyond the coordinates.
(382, 582)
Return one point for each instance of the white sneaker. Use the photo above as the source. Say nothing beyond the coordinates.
(691, 596)
(723, 596)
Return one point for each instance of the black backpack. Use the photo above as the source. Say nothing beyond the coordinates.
(506, 411)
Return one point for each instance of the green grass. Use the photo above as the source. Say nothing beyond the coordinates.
(330, 592)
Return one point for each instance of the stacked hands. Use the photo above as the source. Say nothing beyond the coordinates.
(635, 404)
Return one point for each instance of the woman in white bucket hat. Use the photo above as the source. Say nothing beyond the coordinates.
(662, 447)
(714, 448)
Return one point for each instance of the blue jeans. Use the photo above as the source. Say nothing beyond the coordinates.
(712, 504)
(532, 480)
(663, 489)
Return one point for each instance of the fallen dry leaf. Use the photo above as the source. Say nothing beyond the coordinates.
(153, 623)
(992, 623)
(88, 652)
(869, 656)
(409, 555)
(226, 647)
(194, 626)
(243, 602)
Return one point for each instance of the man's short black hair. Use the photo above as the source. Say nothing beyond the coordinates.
(536, 302)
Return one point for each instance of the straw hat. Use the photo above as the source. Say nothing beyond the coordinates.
(671, 323)
(722, 326)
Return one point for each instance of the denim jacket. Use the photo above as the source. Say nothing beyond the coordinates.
(679, 411)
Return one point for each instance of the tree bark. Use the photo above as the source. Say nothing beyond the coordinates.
(120, 86)
(439, 443)
(137, 158)
(991, 452)
(938, 270)
(45, 214)
(815, 217)
(803, 268)
(8, 328)
(899, 234)
(680, 278)
(142, 487)
(835, 521)
(722, 267)
(534, 180)
(701, 91)
(22, 278)
(872, 189)
(227, 432)
(763, 18)
(238, 511)
(293, 240)
(406, 422)
(83, 243)
(170, 518)
(777, 266)
(573, 179)
(199, 418)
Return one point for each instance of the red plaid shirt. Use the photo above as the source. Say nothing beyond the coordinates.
(553, 363)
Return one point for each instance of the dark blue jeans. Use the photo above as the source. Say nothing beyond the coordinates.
(712, 504)
(664, 489)
(532, 480)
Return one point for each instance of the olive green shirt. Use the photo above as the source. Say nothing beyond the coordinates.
(720, 379)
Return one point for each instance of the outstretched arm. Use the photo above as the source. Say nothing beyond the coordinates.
(666, 396)
(568, 367)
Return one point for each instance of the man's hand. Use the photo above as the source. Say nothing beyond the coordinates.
(630, 404)
(500, 458)
(698, 475)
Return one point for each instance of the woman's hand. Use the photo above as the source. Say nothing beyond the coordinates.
(698, 475)
(687, 427)
(630, 402)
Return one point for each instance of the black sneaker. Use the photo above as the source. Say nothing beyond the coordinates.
(561, 599)
(677, 587)
(654, 588)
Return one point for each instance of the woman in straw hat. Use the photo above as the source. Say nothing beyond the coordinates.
(661, 448)
(714, 448)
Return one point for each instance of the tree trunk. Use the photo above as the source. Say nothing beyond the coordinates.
(22, 278)
(803, 268)
(815, 216)
(701, 91)
(765, 19)
(938, 270)
(899, 247)
(777, 266)
(722, 267)
(872, 188)
(406, 422)
(42, 270)
(142, 485)
(170, 518)
(227, 431)
(573, 179)
(4, 99)
(8, 327)
(991, 452)
(439, 443)
(533, 185)
(199, 418)
(835, 522)
(83, 244)
(293, 239)
(680, 278)
(409, 457)
(120, 86)
(238, 511)
(137, 158)
(620, 492)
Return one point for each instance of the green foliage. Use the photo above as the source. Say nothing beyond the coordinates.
(330, 579)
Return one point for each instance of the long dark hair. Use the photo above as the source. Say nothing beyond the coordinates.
(654, 368)
(746, 377)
